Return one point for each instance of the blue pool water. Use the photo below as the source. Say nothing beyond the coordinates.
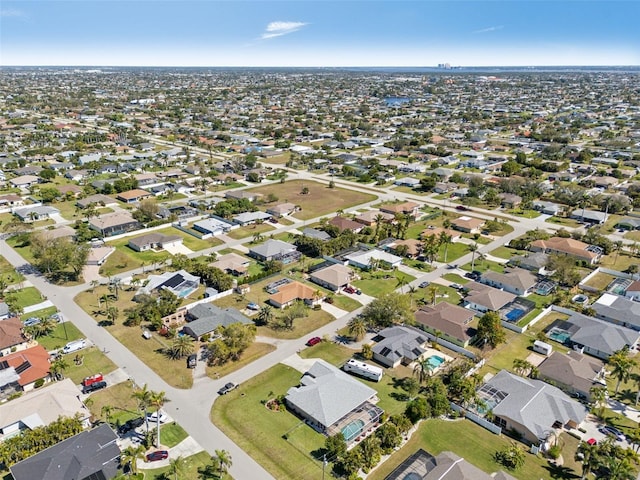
(514, 314)
(559, 336)
(352, 430)
(435, 361)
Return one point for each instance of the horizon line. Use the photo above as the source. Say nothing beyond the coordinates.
(450, 67)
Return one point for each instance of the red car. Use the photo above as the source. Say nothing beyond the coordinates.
(462, 208)
(92, 379)
(313, 341)
(157, 455)
(349, 289)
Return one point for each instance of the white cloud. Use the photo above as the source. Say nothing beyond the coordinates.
(11, 12)
(277, 29)
(488, 29)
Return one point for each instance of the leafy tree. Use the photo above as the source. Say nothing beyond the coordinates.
(54, 256)
(490, 329)
(389, 309)
(49, 194)
(389, 436)
(511, 457)
(371, 452)
(417, 409)
(335, 445)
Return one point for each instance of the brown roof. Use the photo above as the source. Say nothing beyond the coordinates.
(293, 291)
(467, 222)
(37, 360)
(413, 245)
(405, 207)
(487, 296)
(449, 319)
(11, 332)
(345, 223)
(565, 245)
(135, 193)
(437, 231)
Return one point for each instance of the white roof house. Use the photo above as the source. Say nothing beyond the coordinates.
(363, 259)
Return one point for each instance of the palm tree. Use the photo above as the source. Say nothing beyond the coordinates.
(57, 367)
(379, 218)
(444, 239)
(473, 248)
(176, 466)
(265, 315)
(619, 468)
(129, 458)
(412, 291)
(115, 284)
(143, 396)
(432, 293)
(587, 453)
(157, 400)
(521, 367)
(617, 247)
(223, 459)
(357, 328)
(401, 282)
(112, 314)
(622, 366)
(106, 411)
(181, 346)
(422, 370)
(599, 398)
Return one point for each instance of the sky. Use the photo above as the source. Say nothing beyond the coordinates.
(319, 33)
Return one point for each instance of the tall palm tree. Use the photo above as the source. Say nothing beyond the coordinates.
(401, 282)
(422, 370)
(57, 367)
(587, 454)
(617, 247)
(265, 315)
(157, 400)
(379, 218)
(446, 240)
(223, 459)
(619, 468)
(106, 411)
(473, 248)
(143, 396)
(129, 458)
(622, 365)
(176, 466)
(357, 328)
(112, 314)
(181, 346)
(432, 293)
(412, 291)
(599, 398)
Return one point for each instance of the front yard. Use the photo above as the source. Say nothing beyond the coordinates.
(380, 282)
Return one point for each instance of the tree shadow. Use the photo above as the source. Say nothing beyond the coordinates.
(560, 471)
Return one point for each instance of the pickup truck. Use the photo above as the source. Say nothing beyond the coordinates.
(228, 388)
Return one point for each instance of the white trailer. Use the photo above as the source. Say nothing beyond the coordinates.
(363, 370)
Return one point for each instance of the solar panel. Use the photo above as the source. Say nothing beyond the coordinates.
(4, 364)
(385, 351)
(174, 281)
(21, 368)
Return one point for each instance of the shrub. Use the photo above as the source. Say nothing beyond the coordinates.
(38, 383)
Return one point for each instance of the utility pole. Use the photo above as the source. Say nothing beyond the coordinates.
(324, 464)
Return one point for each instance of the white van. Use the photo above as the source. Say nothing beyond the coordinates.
(74, 346)
(543, 348)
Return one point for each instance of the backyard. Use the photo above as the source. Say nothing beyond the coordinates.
(380, 282)
(321, 200)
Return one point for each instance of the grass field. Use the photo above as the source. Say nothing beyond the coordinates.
(119, 397)
(506, 252)
(250, 230)
(254, 352)
(8, 272)
(191, 242)
(473, 443)
(174, 372)
(125, 258)
(28, 296)
(600, 280)
(189, 469)
(94, 361)
(321, 200)
(63, 333)
(380, 282)
(333, 353)
(172, 434)
(22, 247)
(619, 262)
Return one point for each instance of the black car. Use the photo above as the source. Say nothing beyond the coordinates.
(424, 284)
(227, 388)
(475, 275)
(94, 386)
(192, 361)
(130, 425)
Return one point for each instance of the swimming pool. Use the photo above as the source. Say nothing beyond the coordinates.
(435, 361)
(514, 314)
(559, 336)
(352, 430)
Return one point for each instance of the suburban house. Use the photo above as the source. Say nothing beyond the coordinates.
(517, 281)
(344, 223)
(24, 181)
(232, 263)
(410, 248)
(242, 194)
(20, 370)
(314, 233)
(410, 182)
(133, 196)
(534, 262)
(618, 310)
(11, 200)
(450, 321)
(213, 226)
(12, 337)
(430, 232)
(97, 199)
(99, 254)
(205, 318)
(568, 246)
(483, 298)
(35, 213)
(292, 292)
(282, 210)
(365, 259)
(90, 455)
(444, 466)
(41, 407)
(633, 291)
(63, 231)
(573, 372)
(180, 283)
(405, 208)
(332, 401)
(248, 218)
(589, 216)
(547, 208)
(371, 217)
(334, 277)
(275, 250)
(629, 223)
(154, 241)
(510, 200)
(399, 345)
(592, 336)
(532, 408)
(114, 223)
(467, 224)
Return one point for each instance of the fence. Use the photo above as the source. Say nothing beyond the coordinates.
(493, 428)
(449, 345)
(201, 236)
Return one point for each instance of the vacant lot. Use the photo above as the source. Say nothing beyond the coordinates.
(8, 273)
(119, 398)
(380, 282)
(255, 351)
(321, 200)
(28, 296)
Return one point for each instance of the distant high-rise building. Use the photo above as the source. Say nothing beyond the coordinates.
(444, 66)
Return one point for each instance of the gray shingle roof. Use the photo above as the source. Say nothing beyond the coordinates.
(272, 247)
(208, 317)
(327, 394)
(600, 335)
(618, 309)
(400, 342)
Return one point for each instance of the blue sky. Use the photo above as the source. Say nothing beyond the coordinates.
(319, 32)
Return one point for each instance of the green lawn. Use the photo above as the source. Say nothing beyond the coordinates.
(125, 258)
(93, 361)
(21, 245)
(470, 441)
(518, 212)
(45, 312)
(484, 265)
(346, 303)
(64, 333)
(272, 438)
(28, 296)
(455, 278)
(9, 273)
(189, 469)
(506, 252)
(172, 434)
(252, 353)
(119, 397)
(333, 353)
(619, 262)
(250, 231)
(566, 222)
(380, 282)
(454, 251)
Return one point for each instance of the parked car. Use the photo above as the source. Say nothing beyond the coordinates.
(452, 266)
(349, 289)
(592, 441)
(74, 346)
(192, 360)
(313, 341)
(157, 455)
(475, 275)
(253, 306)
(424, 284)
(98, 377)
(94, 386)
(613, 432)
(462, 208)
(358, 291)
(457, 286)
(153, 416)
(228, 388)
(130, 425)
(31, 321)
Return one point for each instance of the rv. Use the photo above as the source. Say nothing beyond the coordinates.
(543, 348)
(363, 370)
(74, 346)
